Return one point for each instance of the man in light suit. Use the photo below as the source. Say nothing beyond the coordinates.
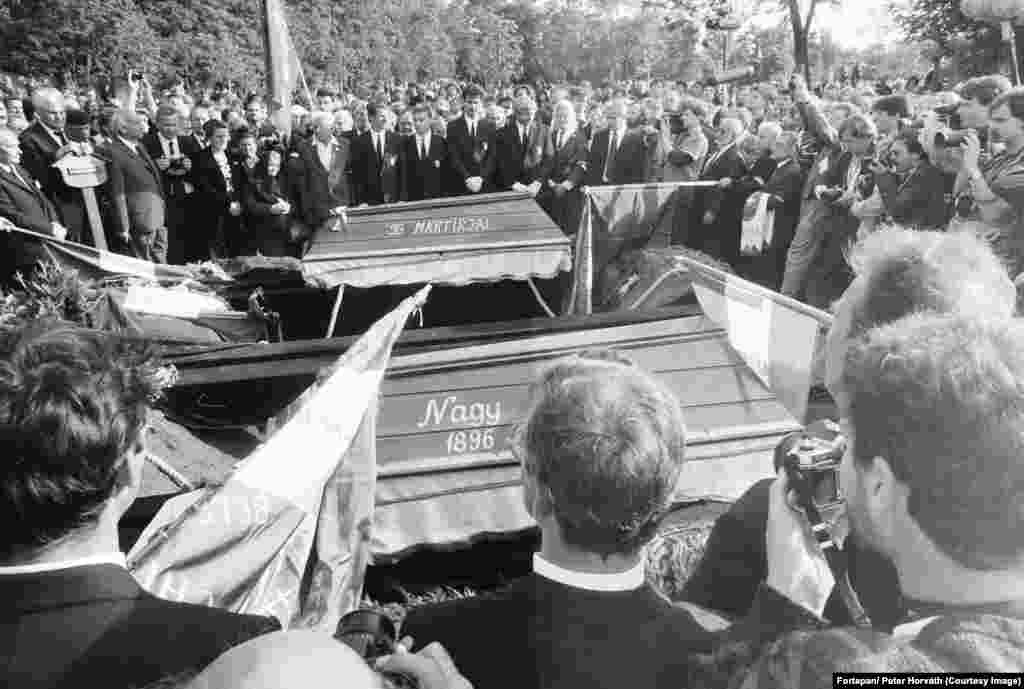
(71, 614)
(470, 145)
(423, 160)
(375, 160)
(23, 203)
(522, 150)
(598, 422)
(135, 189)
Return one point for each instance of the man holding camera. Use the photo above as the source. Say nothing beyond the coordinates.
(934, 482)
(167, 148)
(899, 272)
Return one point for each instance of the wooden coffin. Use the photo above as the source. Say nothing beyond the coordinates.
(451, 399)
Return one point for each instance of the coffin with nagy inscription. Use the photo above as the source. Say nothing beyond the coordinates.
(454, 241)
(452, 397)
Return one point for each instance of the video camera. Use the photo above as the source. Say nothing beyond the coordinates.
(372, 635)
(811, 459)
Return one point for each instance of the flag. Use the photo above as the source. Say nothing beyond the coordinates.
(615, 219)
(284, 70)
(776, 336)
(94, 264)
(303, 502)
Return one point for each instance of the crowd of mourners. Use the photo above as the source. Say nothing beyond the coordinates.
(212, 174)
(905, 221)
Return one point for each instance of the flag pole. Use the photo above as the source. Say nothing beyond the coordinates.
(268, 60)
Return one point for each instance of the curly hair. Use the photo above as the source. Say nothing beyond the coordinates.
(73, 403)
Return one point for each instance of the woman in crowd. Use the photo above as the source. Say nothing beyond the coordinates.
(244, 243)
(560, 195)
(266, 210)
(214, 177)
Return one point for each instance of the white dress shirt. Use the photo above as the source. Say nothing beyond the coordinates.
(169, 147)
(117, 559)
(423, 146)
(325, 151)
(630, 580)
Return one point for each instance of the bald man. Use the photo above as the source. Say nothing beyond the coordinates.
(42, 144)
(313, 660)
(718, 214)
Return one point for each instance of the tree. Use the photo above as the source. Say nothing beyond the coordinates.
(801, 22)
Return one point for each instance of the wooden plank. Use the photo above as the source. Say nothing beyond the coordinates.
(692, 352)
(532, 240)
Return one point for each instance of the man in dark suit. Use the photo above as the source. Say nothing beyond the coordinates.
(617, 155)
(912, 189)
(195, 140)
(73, 615)
(718, 213)
(169, 151)
(587, 607)
(320, 174)
(23, 203)
(423, 160)
(470, 141)
(784, 188)
(135, 189)
(375, 160)
(42, 144)
(522, 150)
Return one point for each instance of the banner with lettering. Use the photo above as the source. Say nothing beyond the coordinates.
(616, 219)
(301, 502)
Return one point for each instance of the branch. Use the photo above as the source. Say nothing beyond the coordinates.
(810, 15)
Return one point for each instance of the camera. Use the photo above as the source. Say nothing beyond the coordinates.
(811, 459)
(866, 179)
(134, 75)
(372, 635)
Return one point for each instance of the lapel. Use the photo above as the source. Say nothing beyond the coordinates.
(24, 176)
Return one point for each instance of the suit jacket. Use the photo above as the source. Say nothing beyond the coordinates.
(785, 186)
(919, 200)
(95, 626)
(24, 203)
(628, 166)
(539, 633)
(721, 238)
(38, 154)
(469, 157)
(375, 179)
(513, 162)
(173, 177)
(422, 178)
(213, 194)
(317, 190)
(190, 145)
(135, 189)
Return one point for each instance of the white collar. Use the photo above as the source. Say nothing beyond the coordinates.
(130, 144)
(117, 559)
(630, 580)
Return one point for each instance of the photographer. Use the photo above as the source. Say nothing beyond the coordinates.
(992, 191)
(685, 147)
(921, 397)
(910, 189)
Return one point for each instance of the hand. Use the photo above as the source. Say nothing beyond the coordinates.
(235, 208)
(163, 163)
(474, 184)
(972, 150)
(534, 188)
(796, 566)
(59, 231)
(518, 186)
(709, 217)
(725, 183)
(66, 149)
(432, 667)
(186, 163)
(846, 200)
(877, 168)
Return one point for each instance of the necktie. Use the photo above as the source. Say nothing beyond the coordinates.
(61, 139)
(472, 130)
(380, 146)
(423, 149)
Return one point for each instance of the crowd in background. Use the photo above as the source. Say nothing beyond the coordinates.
(195, 175)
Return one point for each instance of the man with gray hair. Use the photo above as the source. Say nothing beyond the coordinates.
(135, 189)
(522, 150)
(601, 449)
(43, 143)
(717, 216)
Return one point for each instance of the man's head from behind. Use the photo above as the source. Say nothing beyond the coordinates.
(934, 407)
(602, 449)
(73, 407)
(900, 272)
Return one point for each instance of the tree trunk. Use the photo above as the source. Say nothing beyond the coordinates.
(801, 54)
